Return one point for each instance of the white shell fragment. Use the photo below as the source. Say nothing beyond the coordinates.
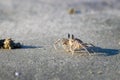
(17, 73)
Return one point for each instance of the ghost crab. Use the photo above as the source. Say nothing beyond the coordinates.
(72, 44)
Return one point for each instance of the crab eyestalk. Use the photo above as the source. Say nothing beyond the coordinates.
(72, 36)
(68, 35)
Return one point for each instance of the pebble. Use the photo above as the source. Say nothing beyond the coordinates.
(90, 71)
(100, 72)
(71, 11)
(119, 43)
(17, 73)
(118, 72)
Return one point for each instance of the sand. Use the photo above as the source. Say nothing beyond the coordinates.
(38, 23)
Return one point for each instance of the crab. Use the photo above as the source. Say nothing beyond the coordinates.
(72, 44)
(9, 44)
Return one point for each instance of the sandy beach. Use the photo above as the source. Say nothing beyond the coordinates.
(37, 24)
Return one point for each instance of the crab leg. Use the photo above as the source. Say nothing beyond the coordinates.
(85, 48)
(56, 42)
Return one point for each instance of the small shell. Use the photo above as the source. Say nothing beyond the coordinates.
(17, 73)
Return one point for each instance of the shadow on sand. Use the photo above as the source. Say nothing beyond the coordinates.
(78, 12)
(103, 51)
(30, 47)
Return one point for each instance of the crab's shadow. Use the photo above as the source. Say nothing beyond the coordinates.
(30, 47)
(103, 51)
